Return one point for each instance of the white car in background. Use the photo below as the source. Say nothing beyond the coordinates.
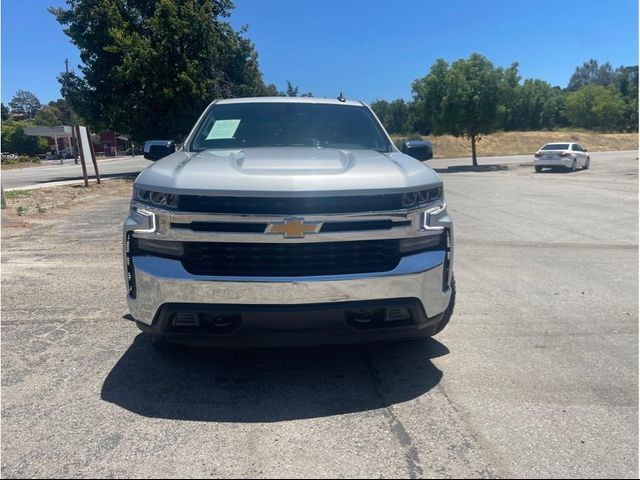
(570, 156)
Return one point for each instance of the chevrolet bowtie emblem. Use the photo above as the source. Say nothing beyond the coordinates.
(294, 227)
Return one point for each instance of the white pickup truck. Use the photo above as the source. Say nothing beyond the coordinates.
(288, 221)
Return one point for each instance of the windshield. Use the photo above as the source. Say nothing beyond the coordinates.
(556, 146)
(248, 125)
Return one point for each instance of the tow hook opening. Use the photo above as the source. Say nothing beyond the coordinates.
(205, 322)
(368, 318)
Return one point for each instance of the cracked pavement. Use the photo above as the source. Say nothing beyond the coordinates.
(536, 376)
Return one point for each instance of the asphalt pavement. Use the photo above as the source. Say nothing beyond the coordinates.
(55, 172)
(68, 171)
(536, 376)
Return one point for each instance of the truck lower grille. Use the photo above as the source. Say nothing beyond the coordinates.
(308, 259)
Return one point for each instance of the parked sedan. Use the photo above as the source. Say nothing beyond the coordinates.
(570, 156)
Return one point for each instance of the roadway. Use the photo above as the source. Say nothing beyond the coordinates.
(536, 375)
(27, 177)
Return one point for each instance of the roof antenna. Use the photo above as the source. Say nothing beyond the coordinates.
(341, 98)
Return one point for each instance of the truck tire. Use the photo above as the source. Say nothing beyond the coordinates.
(449, 311)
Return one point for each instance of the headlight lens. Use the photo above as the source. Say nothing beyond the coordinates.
(158, 199)
(421, 197)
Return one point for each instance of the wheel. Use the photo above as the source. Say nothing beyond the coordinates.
(449, 311)
(586, 165)
(573, 166)
(538, 169)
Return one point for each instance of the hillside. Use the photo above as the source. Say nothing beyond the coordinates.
(522, 143)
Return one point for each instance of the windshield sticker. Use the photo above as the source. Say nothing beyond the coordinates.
(223, 129)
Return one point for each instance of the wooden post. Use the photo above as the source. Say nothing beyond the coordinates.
(93, 155)
(4, 197)
(84, 165)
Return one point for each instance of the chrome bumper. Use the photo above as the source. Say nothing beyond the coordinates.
(160, 281)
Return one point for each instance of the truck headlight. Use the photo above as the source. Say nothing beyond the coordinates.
(421, 197)
(428, 216)
(158, 199)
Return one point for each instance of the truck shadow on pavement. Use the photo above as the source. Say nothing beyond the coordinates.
(249, 386)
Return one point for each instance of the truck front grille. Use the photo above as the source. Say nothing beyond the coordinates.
(291, 206)
(284, 259)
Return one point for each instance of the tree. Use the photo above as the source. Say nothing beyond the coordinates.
(57, 112)
(461, 99)
(14, 139)
(590, 73)
(151, 67)
(595, 107)
(291, 90)
(508, 90)
(25, 102)
(5, 112)
(49, 116)
(627, 84)
(395, 115)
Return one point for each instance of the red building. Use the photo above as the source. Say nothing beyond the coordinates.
(111, 143)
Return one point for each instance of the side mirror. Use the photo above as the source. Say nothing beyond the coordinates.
(157, 149)
(585, 150)
(418, 149)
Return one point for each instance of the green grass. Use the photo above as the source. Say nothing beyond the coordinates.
(18, 194)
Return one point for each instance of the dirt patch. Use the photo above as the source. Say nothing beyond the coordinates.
(31, 207)
(523, 143)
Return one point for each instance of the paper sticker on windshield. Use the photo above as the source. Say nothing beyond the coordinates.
(223, 129)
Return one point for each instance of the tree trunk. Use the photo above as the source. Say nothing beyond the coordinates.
(473, 151)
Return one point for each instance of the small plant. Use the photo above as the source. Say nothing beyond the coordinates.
(40, 208)
(21, 211)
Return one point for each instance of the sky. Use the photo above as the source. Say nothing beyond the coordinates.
(367, 49)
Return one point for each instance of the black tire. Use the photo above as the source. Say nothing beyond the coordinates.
(448, 313)
(573, 166)
(586, 165)
(538, 169)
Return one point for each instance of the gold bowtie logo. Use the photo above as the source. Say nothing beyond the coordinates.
(294, 227)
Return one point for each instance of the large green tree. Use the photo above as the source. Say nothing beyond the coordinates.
(25, 102)
(596, 107)
(461, 99)
(151, 66)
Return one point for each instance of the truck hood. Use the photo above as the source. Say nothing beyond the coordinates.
(286, 171)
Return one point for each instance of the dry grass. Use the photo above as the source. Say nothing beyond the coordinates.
(13, 166)
(523, 143)
(28, 207)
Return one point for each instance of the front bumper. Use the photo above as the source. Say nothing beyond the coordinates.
(162, 282)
